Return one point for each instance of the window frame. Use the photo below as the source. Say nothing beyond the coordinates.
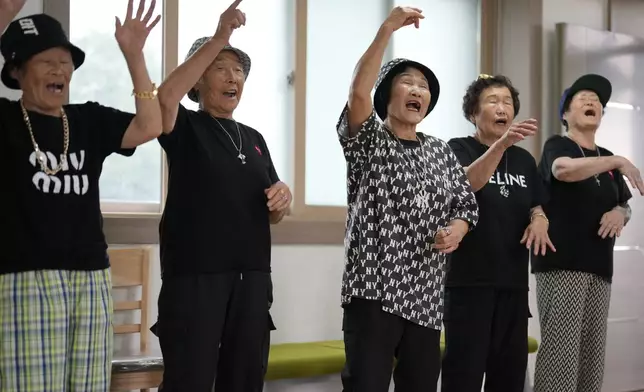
(137, 223)
(61, 10)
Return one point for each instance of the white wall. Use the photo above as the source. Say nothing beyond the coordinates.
(627, 17)
(306, 282)
(527, 53)
(589, 13)
(514, 56)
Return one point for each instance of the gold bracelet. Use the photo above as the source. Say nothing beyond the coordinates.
(539, 214)
(147, 94)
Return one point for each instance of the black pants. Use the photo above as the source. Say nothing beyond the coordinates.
(214, 332)
(266, 349)
(373, 338)
(486, 332)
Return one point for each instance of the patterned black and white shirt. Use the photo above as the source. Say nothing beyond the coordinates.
(388, 254)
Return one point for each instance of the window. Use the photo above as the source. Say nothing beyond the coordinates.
(127, 184)
(447, 42)
(267, 37)
(332, 54)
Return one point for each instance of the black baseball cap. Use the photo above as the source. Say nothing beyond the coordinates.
(591, 82)
(385, 80)
(28, 36)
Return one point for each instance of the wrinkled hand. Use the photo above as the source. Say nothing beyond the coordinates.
(229, 21)
(611, 224)
(11, 7)
(536, 237)
(632, 174)
(448, 238)
(279, 197)
(519, 131)
(404, 16)
(133, 32)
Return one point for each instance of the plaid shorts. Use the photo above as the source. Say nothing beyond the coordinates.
(56, 331)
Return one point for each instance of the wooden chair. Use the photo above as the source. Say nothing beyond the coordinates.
(130, 269)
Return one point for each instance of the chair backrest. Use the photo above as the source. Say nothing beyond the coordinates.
(130, 269)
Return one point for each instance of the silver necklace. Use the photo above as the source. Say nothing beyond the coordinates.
(505, 192)
(599, 183)
(422, 197)
(240, 155)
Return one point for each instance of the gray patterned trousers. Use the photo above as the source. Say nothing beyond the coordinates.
(573, 312)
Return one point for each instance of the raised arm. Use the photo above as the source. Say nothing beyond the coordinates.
(9, 9)
(480, 171)
(131, 36)
(577, 169)
(568, 169)
(366, 71)
(185, 76)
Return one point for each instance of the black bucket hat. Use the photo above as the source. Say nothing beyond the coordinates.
(244, 59)
(386, 77)
(591, 82)
(28, 36)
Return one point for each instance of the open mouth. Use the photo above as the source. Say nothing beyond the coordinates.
(413, 106)
(590, 113)
(501, 121)
(231, 93)
(56, 88)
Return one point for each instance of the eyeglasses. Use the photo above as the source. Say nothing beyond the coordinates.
(485, 76)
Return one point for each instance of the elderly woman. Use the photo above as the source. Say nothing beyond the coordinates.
(486, 299)
(215, 234)
(410, 204)
(588, 209)
(55, 288)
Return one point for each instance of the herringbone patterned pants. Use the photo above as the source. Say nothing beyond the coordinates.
(573, 312)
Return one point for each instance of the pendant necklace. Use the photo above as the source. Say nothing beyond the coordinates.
(599, 183)
(505, 192)
(240, 155)
(40, 156)
(422, 197)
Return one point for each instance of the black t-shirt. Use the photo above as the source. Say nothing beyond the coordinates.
(54, 222)
(215, 219)
(491, 254)
(575, 210)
